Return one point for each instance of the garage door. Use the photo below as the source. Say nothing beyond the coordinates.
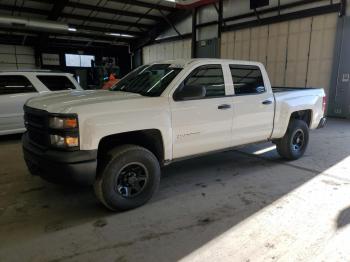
(295, 53)
(14, 57)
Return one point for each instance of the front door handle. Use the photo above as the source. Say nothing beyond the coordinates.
(224, 107)
(267, 102)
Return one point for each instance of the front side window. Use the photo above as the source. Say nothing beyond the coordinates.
(210, 77)
(247, 79)
(56, 83)
(148, 80)
(13, 84)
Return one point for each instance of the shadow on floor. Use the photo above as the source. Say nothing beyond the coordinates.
(207, 195)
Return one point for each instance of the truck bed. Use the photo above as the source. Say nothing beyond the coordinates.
(278, 89)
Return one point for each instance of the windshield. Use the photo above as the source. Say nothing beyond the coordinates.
(148, 80)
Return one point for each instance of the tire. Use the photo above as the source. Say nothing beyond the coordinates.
(294, 143)
(128, 169)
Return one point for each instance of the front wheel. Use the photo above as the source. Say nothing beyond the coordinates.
(129, 179)
(294, 143)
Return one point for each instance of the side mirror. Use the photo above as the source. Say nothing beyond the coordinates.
(190, 93)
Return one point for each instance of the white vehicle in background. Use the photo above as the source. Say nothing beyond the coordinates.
(16, 87)
(119, 139)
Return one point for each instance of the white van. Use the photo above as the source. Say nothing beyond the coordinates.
(16, 87)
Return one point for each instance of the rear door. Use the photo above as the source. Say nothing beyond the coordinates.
(253, 105)
(15, 90)
(203, 125)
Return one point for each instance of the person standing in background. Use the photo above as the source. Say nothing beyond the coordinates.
(111, 82)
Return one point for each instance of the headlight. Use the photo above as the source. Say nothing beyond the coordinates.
(64, 131)
(63, 122)
(64, 141)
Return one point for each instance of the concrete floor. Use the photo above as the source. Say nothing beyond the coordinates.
(243, 205)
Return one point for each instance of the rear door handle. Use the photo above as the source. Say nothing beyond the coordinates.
(267, 102)
(224, 107)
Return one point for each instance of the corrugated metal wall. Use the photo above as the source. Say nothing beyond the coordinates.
(16, 57)
(322, 51)
(295, 53)
(164, 51)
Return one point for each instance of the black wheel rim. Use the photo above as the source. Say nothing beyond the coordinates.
(131, 180)
(298, 140)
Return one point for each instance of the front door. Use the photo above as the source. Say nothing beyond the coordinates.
(202, 125)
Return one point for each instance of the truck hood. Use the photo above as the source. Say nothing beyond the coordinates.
(63, 102)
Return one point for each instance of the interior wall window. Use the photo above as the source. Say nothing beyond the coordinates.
(79, 60)
(209, 76)
(56, 83)
(247, 79)
(13, 84)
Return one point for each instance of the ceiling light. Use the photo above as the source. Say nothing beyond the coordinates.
(72, 29)
(120, 35)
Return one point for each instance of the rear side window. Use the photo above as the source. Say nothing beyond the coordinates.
(210, 77)
(13, 84)
(56, 83)
(247, 79)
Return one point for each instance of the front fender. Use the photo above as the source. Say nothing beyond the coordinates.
(154, 115)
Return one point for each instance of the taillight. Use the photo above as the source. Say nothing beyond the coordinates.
(324, 104)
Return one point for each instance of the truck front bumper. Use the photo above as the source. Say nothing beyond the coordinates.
(60, 166)
(322, 123)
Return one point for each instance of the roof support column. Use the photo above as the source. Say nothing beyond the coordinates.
(194, 33)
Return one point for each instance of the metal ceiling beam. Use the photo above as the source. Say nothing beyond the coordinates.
(68, 34)
(57, 9)
(271, 9)
(24, 9)
(332, 8)
(113, 11)
(105, 21)
(170, 23)
(89, 28)
(11, 39)
(129, 2)
(78, 17)
(175, 17)
(53, 15)
(145, 5)
(106, 30)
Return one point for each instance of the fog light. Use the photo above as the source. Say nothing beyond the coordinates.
(64, 141)
(72, 141)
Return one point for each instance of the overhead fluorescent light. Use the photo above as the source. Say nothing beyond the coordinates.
(120, 35)
(72, 29)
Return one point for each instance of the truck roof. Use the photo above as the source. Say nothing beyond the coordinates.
(185, 62)
(32, 72)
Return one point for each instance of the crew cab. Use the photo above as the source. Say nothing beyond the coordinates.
(119, 139)
(16, 87)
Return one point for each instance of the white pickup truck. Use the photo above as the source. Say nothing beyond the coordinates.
(118, 140)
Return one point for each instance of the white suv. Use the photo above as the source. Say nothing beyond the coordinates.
(16, 87)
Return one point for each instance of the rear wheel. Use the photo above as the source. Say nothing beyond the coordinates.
(294, 143)
(129, 178)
